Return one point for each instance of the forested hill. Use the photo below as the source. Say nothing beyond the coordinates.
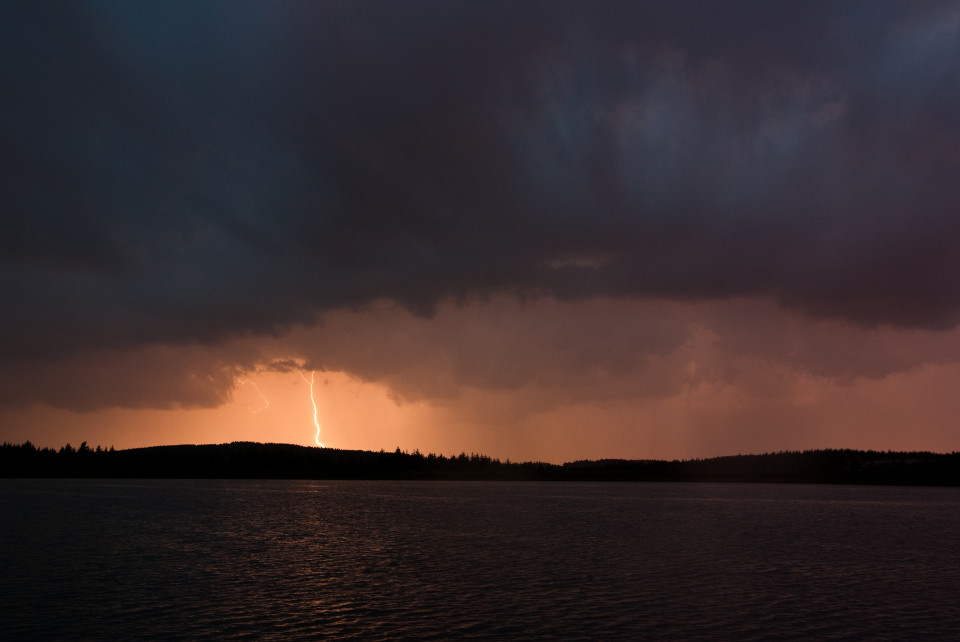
(285, 461)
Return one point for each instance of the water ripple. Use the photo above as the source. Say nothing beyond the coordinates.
(432, 560)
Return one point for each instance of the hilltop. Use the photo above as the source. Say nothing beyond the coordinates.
(251, 460)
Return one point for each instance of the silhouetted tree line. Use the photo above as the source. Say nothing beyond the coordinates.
(286, 461)
(252, 460)
(810, 466)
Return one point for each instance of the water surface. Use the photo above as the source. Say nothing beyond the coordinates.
(386, 560)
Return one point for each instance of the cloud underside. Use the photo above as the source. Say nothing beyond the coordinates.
(192, 192)
(531, 357)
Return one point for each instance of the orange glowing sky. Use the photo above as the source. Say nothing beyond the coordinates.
(524, 381)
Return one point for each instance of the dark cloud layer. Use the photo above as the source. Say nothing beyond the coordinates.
(184, 172)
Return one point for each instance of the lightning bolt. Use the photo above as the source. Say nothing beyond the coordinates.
(266, 402)
(316, 423)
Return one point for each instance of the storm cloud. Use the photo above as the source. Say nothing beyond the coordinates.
(183, 173)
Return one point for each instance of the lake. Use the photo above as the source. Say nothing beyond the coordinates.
(187, 559)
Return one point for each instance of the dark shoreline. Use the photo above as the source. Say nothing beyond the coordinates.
(247, 460)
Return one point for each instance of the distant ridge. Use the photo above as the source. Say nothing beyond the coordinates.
(249, 460)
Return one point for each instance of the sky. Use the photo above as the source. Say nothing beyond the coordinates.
(539, 230)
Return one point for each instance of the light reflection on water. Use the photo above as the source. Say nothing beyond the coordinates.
(373, 560)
